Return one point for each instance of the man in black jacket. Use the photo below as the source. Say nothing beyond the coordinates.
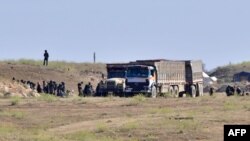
(46, 58)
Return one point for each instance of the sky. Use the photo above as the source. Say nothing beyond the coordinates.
(214, 31)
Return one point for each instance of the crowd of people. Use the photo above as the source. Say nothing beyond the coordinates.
(230, 90)
(59, 89)
(54, 88)
(86, 91)
(50, 87)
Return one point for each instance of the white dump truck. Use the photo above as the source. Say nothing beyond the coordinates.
(115, 82)
(153, 77)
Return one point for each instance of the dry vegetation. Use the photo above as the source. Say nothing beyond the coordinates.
(225, 73)
(48, 118)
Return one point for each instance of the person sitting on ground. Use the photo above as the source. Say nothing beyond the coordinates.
(230, 90)
(238, 90)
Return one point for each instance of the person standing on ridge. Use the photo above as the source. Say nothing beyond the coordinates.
(46, 58)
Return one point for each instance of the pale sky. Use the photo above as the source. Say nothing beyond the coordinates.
(215, 31)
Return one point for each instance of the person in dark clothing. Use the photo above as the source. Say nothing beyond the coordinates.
(238, 90)
(100, 89)
(59, 90)
(39, 89)
(46, 58)
(80, 91)
(88, 90)
(45, 87)
(230, 90)
(54, 87)
(63, 88)
(51, 87)
(211, 91)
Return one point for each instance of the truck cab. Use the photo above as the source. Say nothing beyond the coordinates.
(116, 80)
(140, 79)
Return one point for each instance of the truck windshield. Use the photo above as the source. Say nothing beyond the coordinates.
(137, 72)
(116, 74)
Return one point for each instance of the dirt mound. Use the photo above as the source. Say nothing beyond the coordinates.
(70, 73)
(11, 89)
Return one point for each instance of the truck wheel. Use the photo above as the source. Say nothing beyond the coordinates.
(193, 91)
(176, 91)
(153, 92)
(200, 90)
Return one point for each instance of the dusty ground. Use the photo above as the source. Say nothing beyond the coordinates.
(138, 118)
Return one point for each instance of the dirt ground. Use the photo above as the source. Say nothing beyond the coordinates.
(70, 73)
(130, 119)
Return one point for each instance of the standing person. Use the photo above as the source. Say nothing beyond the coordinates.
(211, 91)
(46, 58)
(80, 91)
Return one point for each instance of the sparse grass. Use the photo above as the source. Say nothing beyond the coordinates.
(246, 106)
(188, 125)
(101, 127)
(82, 136)
(155, 119)
(89, 136)
(12, 113)
(136, 100)
(161, 110)
(80, 100)
(128, 127)
(151, 138)
(15, 100)
(1, 95)
(167, 95)
(48, 98)
(206, 110)
(191, 113)
(32, 135)
(18, 115)
(61, 65)
(6, 128)
(230, 105)
(139, 98)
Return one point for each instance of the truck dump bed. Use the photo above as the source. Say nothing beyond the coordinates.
(194, 71)
(118, 68)
(175, 71)
(170, 72)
